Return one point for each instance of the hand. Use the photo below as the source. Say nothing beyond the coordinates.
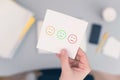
(76, 69)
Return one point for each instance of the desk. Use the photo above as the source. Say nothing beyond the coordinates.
(27, 58)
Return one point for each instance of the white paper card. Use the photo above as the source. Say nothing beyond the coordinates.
(61, 31)
(112, 48)
(83, 44)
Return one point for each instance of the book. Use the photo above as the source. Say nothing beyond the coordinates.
(15, 21)
(112, 48)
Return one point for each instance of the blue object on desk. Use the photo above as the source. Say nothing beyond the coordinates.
(54, 74)
(95, 33)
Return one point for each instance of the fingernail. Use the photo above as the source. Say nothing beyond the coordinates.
(63, 51)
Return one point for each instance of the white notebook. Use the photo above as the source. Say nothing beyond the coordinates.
(14, 23)
(112, 48)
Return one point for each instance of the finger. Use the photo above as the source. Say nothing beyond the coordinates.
(71, 60)
(64, 60)
(81, 56)
(58, 55)
(74, 62)
(83, 62)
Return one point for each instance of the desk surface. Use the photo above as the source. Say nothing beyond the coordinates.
(89, 10)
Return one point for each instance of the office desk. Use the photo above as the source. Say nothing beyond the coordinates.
(27, 57)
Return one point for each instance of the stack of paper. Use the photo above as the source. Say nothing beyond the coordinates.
(61, 31)
(112, 48)
(15, 21)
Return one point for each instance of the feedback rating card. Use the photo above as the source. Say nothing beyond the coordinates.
(61, 31)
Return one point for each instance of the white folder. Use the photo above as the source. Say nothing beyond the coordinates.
(15, 21)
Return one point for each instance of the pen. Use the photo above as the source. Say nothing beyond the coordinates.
(104, 38)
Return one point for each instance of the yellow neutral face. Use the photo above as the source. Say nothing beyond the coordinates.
(50, 30)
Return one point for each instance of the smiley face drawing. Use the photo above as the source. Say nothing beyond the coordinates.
(72, 38)
(61, 34)
(50, 30)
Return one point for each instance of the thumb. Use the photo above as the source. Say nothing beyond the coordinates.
(64, 59)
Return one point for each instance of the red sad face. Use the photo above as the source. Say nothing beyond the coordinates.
(72, 38)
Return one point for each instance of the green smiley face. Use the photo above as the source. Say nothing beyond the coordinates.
(61, 34)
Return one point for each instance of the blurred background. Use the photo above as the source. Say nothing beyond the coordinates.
(20, 23)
